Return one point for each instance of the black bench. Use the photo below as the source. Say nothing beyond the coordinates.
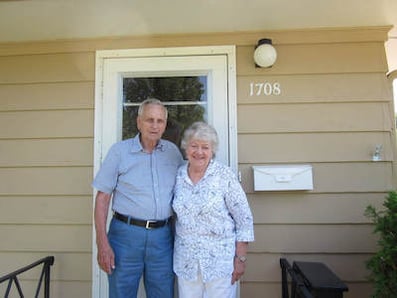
(310, 280)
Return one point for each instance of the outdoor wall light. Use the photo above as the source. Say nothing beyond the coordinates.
(376, 156)
(265, 54)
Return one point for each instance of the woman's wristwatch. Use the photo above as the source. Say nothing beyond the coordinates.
(242, 259)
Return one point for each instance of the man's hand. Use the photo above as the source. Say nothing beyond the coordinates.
(106, 258)
(105, 255)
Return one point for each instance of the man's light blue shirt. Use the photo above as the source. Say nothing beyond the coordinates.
(141, 183)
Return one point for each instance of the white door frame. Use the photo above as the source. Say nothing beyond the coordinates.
(102, 142)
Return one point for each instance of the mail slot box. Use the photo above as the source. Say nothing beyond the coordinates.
(283, 177)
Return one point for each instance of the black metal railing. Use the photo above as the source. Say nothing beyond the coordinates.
(12, 278)
(298, 287)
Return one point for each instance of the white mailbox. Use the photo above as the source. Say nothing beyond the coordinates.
(283, 177)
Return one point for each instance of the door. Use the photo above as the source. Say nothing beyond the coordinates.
(194, 83)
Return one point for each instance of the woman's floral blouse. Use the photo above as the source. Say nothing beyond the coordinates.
(211, 216)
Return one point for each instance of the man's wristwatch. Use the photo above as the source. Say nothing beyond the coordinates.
(242, 259)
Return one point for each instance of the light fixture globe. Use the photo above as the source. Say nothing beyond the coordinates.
(265, 54)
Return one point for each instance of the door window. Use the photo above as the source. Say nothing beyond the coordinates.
(184, 97)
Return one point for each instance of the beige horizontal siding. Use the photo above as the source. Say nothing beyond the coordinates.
(335, 88)
(46, 238)
(312, 208)
(293, 36)
(47, 210)
(334, 107)
(46, 146)
(46, 181)
(46, 124)
(71, 288)
(338, 177)
(348, 267)
(325, 117)
(73, 67)
(46, 152)
(58, 289)
(67, 266)
(314, 238)
(48, 96)
(317, 59)
(313, 147)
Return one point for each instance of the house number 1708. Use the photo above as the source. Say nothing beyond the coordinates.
(266, 88)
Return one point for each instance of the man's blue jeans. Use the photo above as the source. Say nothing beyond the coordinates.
(140, 251)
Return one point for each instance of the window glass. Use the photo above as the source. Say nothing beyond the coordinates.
(184, 97)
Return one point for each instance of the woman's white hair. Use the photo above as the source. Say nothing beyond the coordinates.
(201, 131)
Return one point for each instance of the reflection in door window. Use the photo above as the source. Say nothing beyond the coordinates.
(184, 97)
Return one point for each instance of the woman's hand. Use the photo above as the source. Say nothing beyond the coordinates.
(239, 263)
(239, 269)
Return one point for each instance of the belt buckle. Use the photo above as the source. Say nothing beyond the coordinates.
(148, 222)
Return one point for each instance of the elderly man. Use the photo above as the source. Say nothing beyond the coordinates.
(139, 174)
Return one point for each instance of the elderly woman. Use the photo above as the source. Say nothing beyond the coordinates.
(214, 221)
